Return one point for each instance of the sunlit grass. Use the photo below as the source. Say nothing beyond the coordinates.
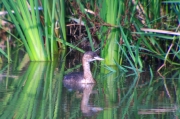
(33, 33)
(123, 32)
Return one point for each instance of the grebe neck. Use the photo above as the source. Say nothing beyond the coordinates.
(87, 72)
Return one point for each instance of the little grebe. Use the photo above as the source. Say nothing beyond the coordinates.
(85, 76)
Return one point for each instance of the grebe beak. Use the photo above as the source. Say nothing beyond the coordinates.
(98, 58)
(95, 58)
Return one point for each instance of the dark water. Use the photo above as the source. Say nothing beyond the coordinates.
(37, 92)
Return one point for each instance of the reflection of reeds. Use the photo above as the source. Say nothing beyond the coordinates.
(37, 93)
(157, 111)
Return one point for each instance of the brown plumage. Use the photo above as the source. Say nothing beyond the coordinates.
(86, 75)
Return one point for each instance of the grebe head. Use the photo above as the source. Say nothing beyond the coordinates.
(90, 56)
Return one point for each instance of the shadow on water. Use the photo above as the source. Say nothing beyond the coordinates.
(37, 92)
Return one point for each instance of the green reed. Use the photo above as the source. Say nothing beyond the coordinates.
(121, 31)
(162, 44)
(34, 26)
(111, 12)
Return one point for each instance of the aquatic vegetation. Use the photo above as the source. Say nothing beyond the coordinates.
(139, 33)
(35, 27)
(141, 38)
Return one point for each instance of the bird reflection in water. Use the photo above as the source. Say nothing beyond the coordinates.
(87, 90)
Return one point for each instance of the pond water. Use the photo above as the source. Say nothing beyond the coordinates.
(37, 92)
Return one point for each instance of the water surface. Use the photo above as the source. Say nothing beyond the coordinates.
(37, 91)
